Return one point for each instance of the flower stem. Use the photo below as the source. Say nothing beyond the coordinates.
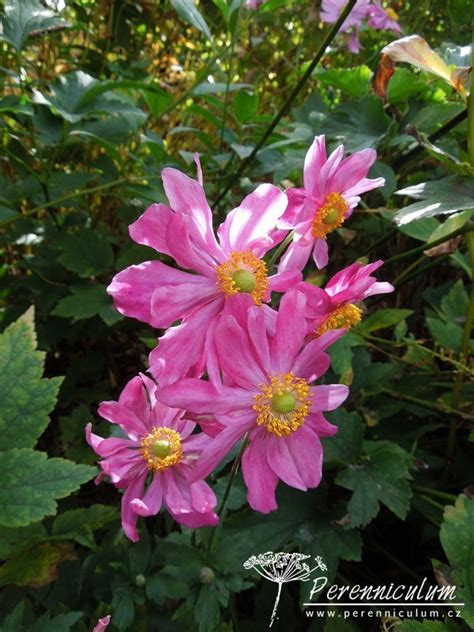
(279, 251)
(464, 230)
(289, 101)
(230, 482)
(275, 607)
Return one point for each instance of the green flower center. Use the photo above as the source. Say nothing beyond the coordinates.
(244, 281)
(331, 216)
(161, 448)
(283, 403)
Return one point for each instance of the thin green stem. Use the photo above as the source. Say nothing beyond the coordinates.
(434, 492)
(289, 101)
(460, 231)
(424, 403)
(279, 251)
(222, 506)
(432, 502)
(70, 196)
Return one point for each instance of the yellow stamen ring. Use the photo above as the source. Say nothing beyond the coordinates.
(283, 404)
(330, 216)
(243, 272)
(345, 317)
(393, 15)
(161, 448)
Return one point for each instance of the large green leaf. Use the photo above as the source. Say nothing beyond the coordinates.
(438, 197)
(381, 476)
(457, 538)
(187, 10)
(87, 301)
(27, 398)
(86, 252)
(23, 17)
(31, 483)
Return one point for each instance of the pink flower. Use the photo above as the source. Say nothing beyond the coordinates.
(331, 10)
(266, 392)
(383, 19)
(332, 187)
(220, 269)
(253, 4)
(102, 624)
(333, 307)
(160, 449)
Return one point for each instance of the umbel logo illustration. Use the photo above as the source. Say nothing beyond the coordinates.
(282, 568)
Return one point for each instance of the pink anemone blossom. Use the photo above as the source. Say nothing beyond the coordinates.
(334, 306)
(219, 269)
(331, 10)
(383, 19)
(266, 392)
(158, 453)
(331, 191)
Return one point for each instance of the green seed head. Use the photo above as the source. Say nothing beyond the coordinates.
(161, 448)
(244, 281)
(331, 216)
(283, 403)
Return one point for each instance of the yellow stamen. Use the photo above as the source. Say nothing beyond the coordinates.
(393, 15)
(330, 216)
(345, 317)
(243, 272)
(283, 404)
(161, 448)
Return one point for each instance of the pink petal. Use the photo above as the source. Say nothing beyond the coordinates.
(326, 173)
(320, 425)
(199, 396)
(307, 454)
(351, 170)
(172, 303)
(315, 159)
(124, 417)
(311, 363)
(186, 252)
(280, 459)
(102, 624)
(290, 332)
(150, 228)
(258, 333)
(260, 479)
(150, 504)
(294, 211)
(284, 281)
(187, 196)
(328, 397)
(129, 517)
(203, 498)
(296, 256)
(320, 253)
(236, 357)
(247, 225)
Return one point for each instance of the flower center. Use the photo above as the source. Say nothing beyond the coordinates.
(345, 317)
(283, 404)
(330, 216)
(161, 448)
(243, 272)
(393, 15)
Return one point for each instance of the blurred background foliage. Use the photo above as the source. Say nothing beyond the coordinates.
(99, 96)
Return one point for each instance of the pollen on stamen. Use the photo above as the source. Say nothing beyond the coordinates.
(243, 273)
(283, 404)
(161, 449)
(330, 216)
(343, 317)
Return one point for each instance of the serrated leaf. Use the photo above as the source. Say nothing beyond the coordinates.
(35, 567)
(31, 483)
(457, 538)
(87, 301)
(207, 611)
(79, 524)
(448, 335)
(438, 197)
(23, 17)
(86, 252)
(380, 477)
(345, 446)
(187, 10)
(27, 398)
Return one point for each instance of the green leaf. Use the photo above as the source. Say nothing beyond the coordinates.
(457, 539)
(245, 105)
(37, 566)
(158, 101)
(381, 476)
(421, 229)
(86, 252)
(439, 197)
(448, 335)
(13, 621)
(61, 623)
(87, 301)
(383, 318)
(79, 524)
(355, 82)
(207, 611)
(187, 10)
(23, 17)
(345, 446)
(31, 483)
(27, 398)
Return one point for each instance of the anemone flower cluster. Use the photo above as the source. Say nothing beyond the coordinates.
(377, 17)
(230, 368)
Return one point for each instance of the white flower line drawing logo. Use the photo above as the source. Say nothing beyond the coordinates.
(281, 568)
